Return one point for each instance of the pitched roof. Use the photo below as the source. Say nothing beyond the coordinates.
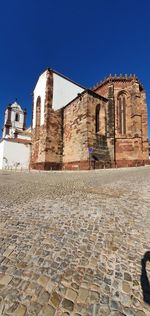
(88, 91)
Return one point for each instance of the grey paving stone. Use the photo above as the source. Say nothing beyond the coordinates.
(71, 243)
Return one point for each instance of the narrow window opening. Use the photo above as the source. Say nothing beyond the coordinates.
(17, 117)
(38, 117)
(120, 116)
(97, 127)
(124, 115)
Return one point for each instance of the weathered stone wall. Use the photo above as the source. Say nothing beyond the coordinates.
(98, 140)
(80, 133)
(54, 139)
(47, 148)
(75, 139)
(144, 119)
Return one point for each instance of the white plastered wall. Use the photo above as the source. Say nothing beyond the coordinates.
(5, 119)
(39, 91)
(1, 154)
(5, 116)
(17, 124)
(15, 155)
(21, 136)
(63, 91)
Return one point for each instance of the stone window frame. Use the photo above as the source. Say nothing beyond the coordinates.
(121, 112)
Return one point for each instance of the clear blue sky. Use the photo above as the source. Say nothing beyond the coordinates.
(84, 40)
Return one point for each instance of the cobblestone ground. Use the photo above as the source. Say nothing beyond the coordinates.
(72, 242)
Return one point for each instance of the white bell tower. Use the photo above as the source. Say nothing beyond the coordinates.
(14, 120)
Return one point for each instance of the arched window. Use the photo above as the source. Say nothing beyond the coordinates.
(97, 119)
(121, 111)
(17, 117)
(38, 117)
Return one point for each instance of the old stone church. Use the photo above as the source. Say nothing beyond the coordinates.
(78, 128)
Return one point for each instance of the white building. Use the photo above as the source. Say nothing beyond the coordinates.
(15, 145)
(64, 90)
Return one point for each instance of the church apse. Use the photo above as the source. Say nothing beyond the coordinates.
(127, 119)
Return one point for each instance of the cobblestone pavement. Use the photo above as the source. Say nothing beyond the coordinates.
(72, 242)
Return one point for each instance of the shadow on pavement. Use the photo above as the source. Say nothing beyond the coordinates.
(145, 283)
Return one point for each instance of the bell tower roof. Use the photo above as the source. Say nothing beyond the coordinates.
(16, 106)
